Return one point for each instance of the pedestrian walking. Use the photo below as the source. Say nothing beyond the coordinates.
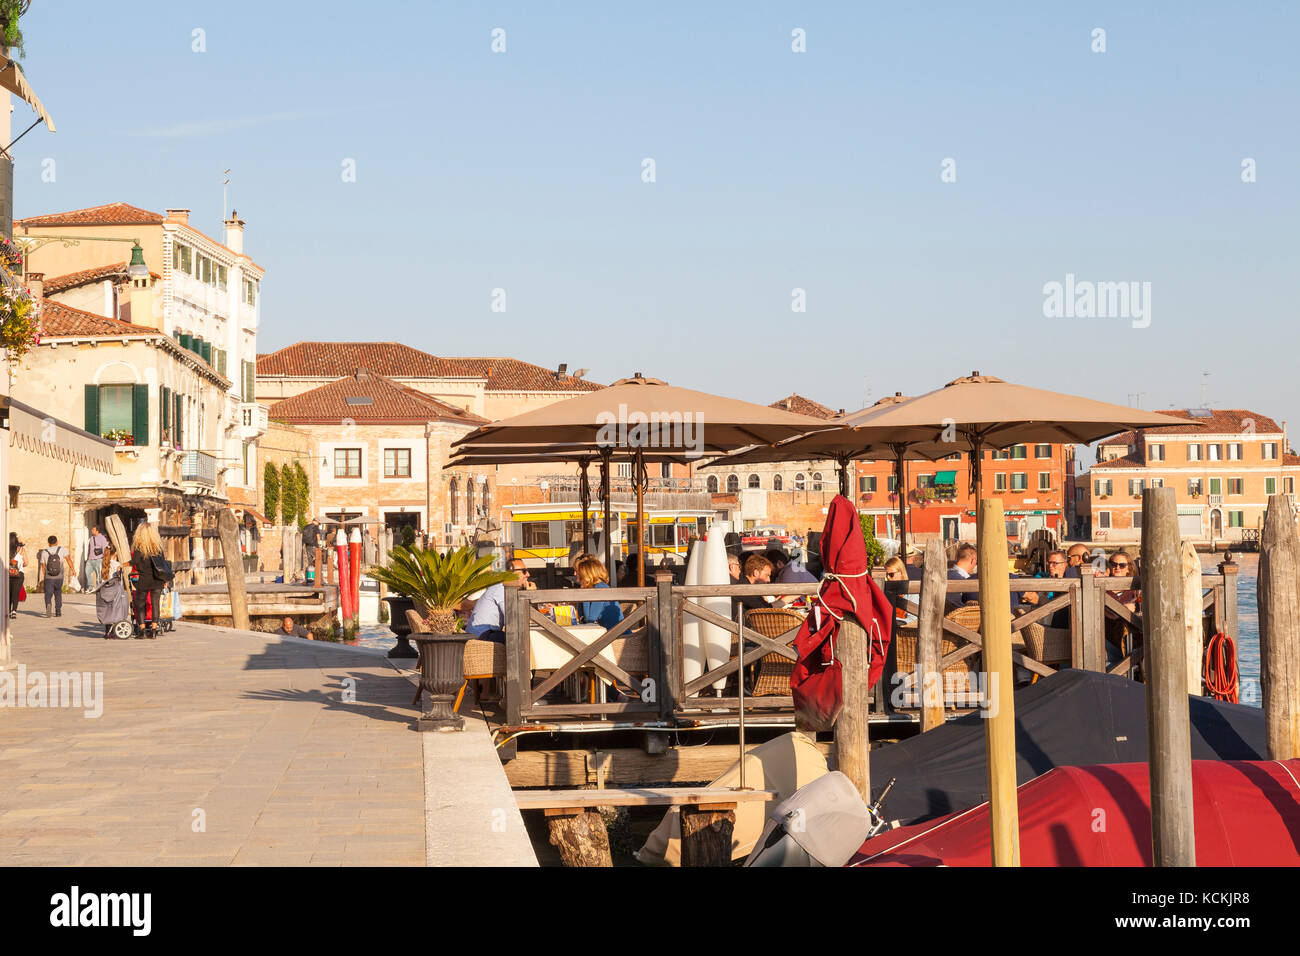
(17, 572)
(51, 562)
(93, 561)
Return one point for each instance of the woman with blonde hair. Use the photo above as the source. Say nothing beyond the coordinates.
(591, 573)
(150, 572)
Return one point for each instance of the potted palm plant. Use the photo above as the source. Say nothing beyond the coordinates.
(437, 583)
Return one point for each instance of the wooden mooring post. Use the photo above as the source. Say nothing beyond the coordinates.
(852, 737)
(1000, 710)
(1189, 570)
(228, 530)
(1279, 628)
(929, 640)
(1173, 836)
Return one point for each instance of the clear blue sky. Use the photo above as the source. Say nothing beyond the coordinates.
(774, 170)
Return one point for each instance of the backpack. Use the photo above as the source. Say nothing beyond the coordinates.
(53, 563)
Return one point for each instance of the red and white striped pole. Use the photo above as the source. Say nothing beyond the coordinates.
(345, 578)
(354, 561)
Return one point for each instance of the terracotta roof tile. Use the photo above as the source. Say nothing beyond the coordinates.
(63, 321)
(375, 399)
(394, 359)
(1221, 421)
(1127, 461)
(803, 406)
(73, 280)
(112, 214)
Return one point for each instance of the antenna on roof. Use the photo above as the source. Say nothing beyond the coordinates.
(1204, 386)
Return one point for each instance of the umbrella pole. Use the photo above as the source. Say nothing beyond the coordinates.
(584, 492)
(844, 475)
(638, 470)
(900, 480)
(604, 494)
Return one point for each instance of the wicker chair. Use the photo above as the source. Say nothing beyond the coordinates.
(1049, 645)
(774, 670)
(956, 677)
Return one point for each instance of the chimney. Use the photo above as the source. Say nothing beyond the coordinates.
(179, 215)
(36, 282)
(235, 233)
(141, 292)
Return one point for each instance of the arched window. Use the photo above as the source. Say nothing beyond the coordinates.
(453, 493)
(817, 481)
(469, 500)
(486, 495)
(799, 482)
(754, 482)
(776, 482)
(713, 484)
(733, 484)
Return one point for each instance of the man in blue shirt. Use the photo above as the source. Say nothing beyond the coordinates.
(487, 621)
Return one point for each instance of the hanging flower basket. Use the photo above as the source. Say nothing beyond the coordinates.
(20, 325)
(11, 257)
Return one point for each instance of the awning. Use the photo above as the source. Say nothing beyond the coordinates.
(945, 477)
(56, 439)
(12, 79)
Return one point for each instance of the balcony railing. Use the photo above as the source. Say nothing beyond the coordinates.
(200, 468)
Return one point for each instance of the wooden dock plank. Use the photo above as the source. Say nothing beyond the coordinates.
(640, 797)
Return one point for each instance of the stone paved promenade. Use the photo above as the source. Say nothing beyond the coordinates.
(252, 730)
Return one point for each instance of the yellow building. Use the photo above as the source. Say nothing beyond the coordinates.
(1223, 465)
(484, 389)
(165, 409)
(204, 295)
(378, 451)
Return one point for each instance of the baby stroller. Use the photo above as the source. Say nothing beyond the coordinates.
(113, 608)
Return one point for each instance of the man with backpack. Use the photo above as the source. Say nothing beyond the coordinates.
(50, 564)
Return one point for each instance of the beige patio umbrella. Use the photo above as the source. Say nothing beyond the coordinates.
(638, 416)
(853, 437)
(981, 411)
(570, 453)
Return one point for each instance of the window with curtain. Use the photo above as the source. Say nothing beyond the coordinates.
(347, 462)
(453, 499)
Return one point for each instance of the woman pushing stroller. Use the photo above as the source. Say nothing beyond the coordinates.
(150, 572)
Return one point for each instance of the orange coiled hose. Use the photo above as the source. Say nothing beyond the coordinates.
(1221, 668)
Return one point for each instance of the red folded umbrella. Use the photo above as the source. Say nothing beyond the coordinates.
(847, 589)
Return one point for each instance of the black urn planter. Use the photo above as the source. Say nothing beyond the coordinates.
(398, 605)
(442, 673)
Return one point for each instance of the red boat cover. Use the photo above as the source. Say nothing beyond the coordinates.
(847, 588)
(1247, 813)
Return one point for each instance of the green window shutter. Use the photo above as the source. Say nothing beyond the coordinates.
(165, 403)
(140, 415)
(178, 416)
(92, 409)
(186, 339)
(207, 352)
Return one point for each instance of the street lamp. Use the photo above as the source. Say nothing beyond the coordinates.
(137, 269)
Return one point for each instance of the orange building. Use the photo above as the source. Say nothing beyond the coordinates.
(1031, 480)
